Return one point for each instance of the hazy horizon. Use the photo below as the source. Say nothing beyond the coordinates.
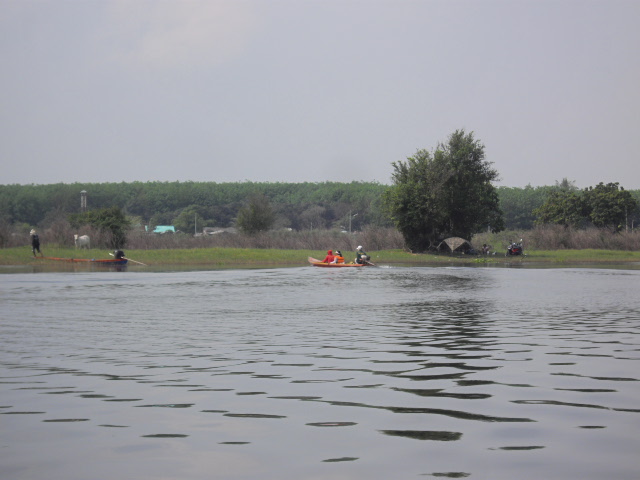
(285, 182)
(322, 90)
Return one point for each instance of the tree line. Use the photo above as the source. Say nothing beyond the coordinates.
(434, 194)
(604, 206)
(299, 206)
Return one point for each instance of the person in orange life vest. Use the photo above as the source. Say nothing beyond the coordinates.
(338, 257)
(329, 258)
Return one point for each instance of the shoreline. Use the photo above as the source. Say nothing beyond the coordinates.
(219, 258)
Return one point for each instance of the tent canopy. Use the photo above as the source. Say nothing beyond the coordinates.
(454, 244)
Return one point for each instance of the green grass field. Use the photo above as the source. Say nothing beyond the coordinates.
(258, 258)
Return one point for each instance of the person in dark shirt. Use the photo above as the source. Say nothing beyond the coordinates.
(35, 243)
(361, 256)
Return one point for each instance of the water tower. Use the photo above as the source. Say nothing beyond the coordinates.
(83, 201)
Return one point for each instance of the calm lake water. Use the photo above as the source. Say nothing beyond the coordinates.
(307, 373)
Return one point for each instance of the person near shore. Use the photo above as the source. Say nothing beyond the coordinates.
(361, 255)
(35, 243)
(330, 257)
(338, 257)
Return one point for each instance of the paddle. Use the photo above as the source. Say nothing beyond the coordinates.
(365, 261)
(134, 261)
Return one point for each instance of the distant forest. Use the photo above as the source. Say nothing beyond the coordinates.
(299, 206)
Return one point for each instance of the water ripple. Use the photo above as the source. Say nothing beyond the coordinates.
(204, 362)
(425, 435)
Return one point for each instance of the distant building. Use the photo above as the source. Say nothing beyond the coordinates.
(161, 229)
(218, 230)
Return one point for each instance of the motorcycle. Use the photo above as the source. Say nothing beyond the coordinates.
(515, 249)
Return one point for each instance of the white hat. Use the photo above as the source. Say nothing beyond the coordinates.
(32, 232)
(359, 247)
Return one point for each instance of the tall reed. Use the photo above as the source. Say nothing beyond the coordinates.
(369, 238)
(557, 237)
(549, 237)
(61, 234)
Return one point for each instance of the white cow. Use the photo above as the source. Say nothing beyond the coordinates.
(82, 241)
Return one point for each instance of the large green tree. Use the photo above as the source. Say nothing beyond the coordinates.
(562, 207)
(609, 206)
(111, 221)
(193, 219)
(604, 206)
(447, 193)
(256, 216)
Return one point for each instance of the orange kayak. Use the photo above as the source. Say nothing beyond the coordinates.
(317, 263)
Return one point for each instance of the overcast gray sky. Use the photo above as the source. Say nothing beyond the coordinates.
(316, 90)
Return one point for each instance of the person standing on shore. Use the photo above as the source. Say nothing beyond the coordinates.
(35, 243)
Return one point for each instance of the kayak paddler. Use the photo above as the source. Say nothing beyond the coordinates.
(329, 258)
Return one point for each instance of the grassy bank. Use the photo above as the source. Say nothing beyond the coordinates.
(541, 257)
(259, 258)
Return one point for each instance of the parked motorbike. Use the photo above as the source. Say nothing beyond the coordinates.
(515, 249)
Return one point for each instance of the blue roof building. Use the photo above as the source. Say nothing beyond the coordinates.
(162, 229)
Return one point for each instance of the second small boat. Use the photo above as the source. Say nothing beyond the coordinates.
(106, 262)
